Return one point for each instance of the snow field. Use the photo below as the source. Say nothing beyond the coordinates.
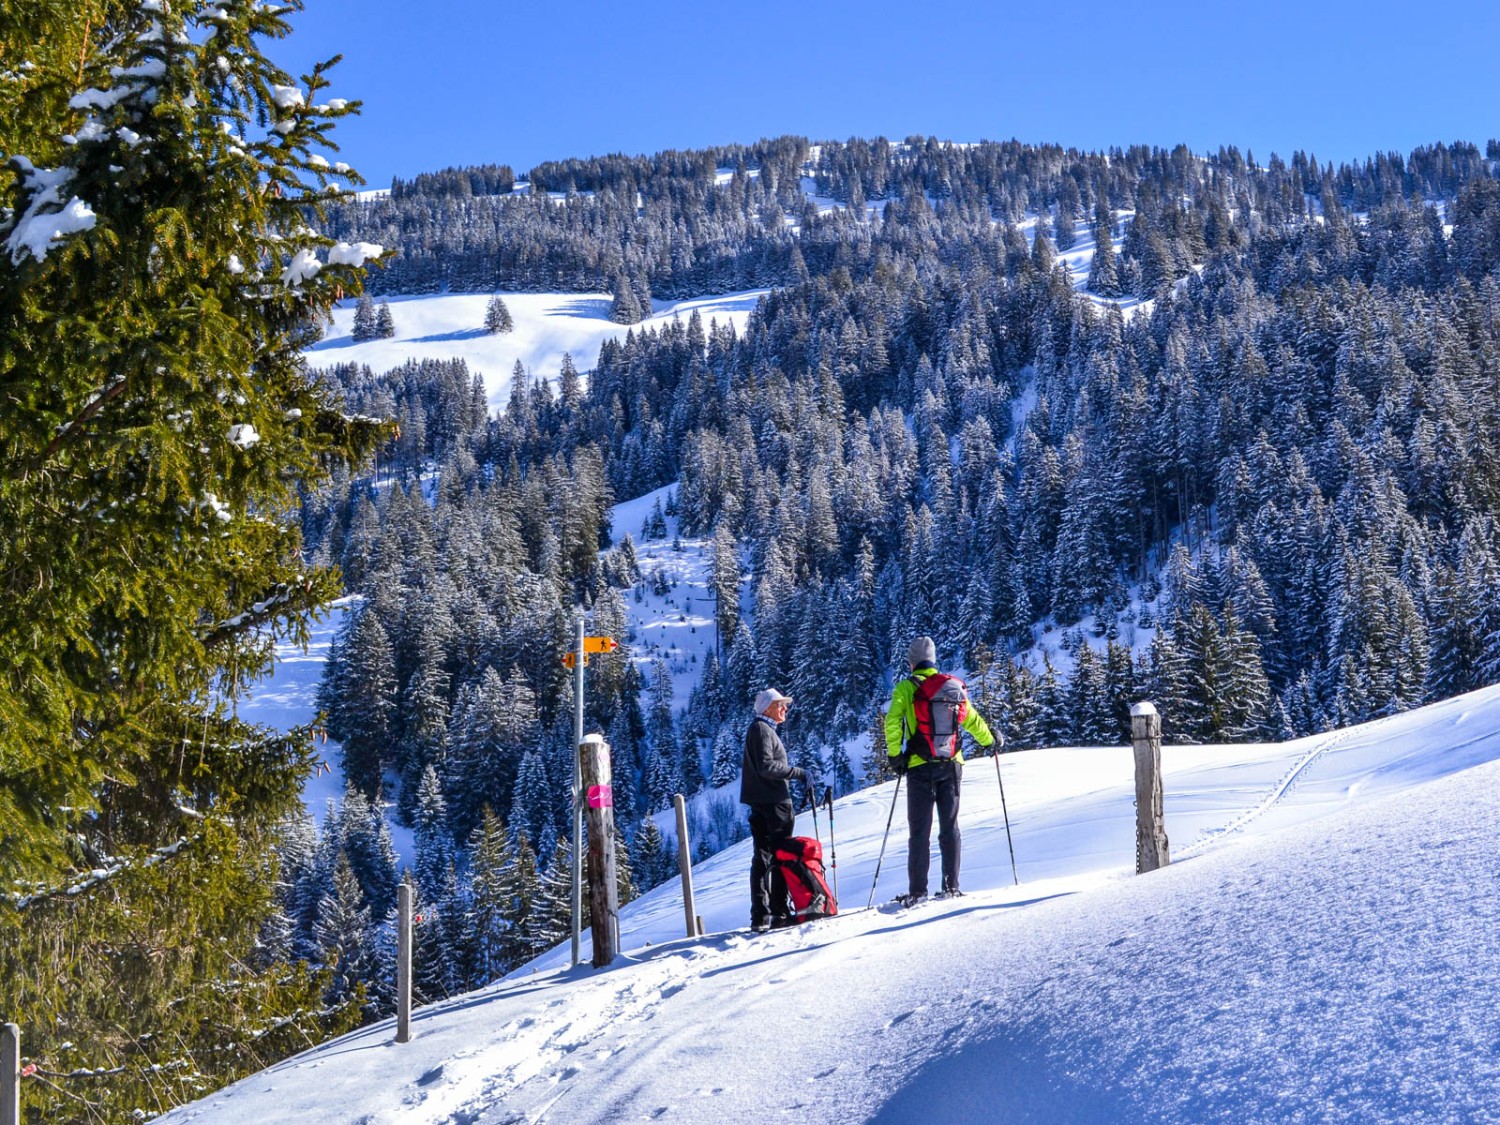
(547, 325)
(1326, 960)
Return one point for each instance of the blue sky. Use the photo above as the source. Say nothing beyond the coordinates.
(457, 82)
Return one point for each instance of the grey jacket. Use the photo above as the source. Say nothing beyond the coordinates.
(765, 766)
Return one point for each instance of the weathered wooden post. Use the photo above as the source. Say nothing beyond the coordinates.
(685, 861)
(604, 907)
(10, 1074)
(1151, 849)
(403, 963)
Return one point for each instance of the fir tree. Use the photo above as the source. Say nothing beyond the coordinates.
(497, 317)
(385, 326)
(652, 863)
(728, 752)
(360, 689)
(525, 885)
(364, 321)
(624, 307)
(174, 399)
(493, 892)
(550, 920)
(343, 934)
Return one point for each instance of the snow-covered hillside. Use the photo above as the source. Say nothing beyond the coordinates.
(678, 625)
(547, 325)
(1322, 950)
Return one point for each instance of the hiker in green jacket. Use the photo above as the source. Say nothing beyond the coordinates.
(928, 711)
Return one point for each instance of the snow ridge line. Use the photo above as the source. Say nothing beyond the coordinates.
(1279, 791)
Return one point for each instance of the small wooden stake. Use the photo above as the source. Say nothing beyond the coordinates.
(685, 861)
(1151, 849)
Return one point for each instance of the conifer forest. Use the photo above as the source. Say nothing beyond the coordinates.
(1247, 467)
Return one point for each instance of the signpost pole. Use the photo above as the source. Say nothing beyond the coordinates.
(577, 792)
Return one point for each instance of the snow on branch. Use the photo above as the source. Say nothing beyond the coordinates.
(52, 215)
(263, 611)
(89, 880)
(354, 253)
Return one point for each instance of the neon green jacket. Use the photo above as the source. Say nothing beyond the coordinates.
(901, 719)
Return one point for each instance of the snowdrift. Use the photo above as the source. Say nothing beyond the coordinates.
(1321, 950)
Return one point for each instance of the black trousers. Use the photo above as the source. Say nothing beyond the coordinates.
(769, 825)
(932, 784)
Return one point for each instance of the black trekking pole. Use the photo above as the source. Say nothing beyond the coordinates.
(883, 839)
(833, 849)
(1006, 813)
(812, 803)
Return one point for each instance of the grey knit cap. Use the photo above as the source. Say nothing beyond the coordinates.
(922, 651)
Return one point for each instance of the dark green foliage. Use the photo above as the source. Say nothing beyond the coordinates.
(158, 430)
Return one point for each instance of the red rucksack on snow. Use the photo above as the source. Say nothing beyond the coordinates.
(941, 704)
(800, 859)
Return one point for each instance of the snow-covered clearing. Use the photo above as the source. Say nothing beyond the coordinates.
(677, 626)
(547, 325)
(1324, 950)
(288, 698)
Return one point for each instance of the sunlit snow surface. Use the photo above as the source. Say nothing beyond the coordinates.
(451, 326)
(1323, 950)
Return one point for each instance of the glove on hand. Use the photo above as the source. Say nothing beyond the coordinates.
(900, 764)
(798, 774)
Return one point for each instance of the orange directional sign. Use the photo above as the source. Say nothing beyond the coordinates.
(591, 645)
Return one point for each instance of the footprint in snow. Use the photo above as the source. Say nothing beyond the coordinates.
(823, 1074)
(672, 990)
(902, 1018)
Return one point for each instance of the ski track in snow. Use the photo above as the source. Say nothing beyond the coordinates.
(1320, 747)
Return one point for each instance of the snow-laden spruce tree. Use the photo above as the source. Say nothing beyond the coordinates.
(497, 318)
(156, 273)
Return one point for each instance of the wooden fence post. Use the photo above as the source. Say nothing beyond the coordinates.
(1151, 849)
(403, 963)
(604, 906)
(685, 861)
(10, 1074)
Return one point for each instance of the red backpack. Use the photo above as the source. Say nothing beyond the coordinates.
(941, 703)
(800, 859)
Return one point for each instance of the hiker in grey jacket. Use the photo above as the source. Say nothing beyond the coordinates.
(764, 788)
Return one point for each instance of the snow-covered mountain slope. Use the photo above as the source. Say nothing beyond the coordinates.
(451, 326)
(677, 626)
(1323, 950)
